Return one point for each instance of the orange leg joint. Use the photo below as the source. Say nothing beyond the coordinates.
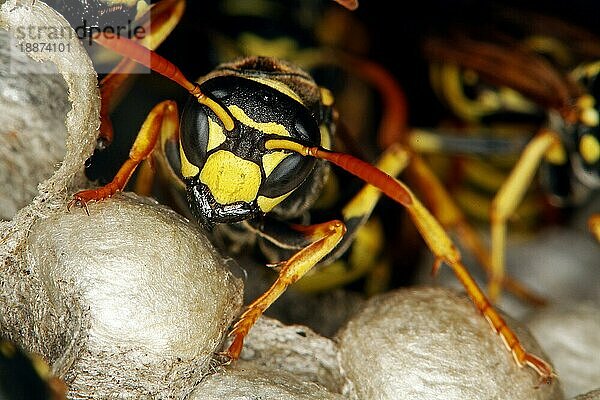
(163, 114)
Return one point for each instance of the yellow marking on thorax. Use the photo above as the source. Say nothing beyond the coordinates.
(266, 204)
(271, 160)
(230, 178)
(279, 48)
(188, 170)
(588, 114)
(215, 135)
(589, 148)
(279, 86)
(271, 128)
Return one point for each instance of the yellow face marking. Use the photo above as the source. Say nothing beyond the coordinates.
(272, 128)
(266, 204)
(188, 170)
(280, 87)
(271, 160)
(589, 148)
(230, 178)
(215, 134)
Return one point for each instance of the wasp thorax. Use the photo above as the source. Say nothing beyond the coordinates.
(231, 175)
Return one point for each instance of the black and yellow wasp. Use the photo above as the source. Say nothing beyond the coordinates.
(252, 146)
(311, 34)
(292, 31)
(532, 68)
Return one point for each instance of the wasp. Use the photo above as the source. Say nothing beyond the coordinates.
(252, 146)
(26, 376)
(535, 76)
(312, 35)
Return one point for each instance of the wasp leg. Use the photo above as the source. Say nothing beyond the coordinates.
(361, 238)
(324, 237)
(451, 218)
(162, 19)
(434, 236)
(442, 247)
(545, 143)
(162, 122)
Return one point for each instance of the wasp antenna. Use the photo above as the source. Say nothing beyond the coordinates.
(388, 185)
(150, 59)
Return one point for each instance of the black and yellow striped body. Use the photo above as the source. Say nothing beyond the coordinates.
(584, 142)
(479, 99)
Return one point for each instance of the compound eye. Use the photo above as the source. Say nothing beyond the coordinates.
(287, 175)
(194, 132)
(306, 128)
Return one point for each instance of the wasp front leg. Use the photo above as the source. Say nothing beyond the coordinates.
(161, 123)
(324, 238)
(157, 25)
(361, 233)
